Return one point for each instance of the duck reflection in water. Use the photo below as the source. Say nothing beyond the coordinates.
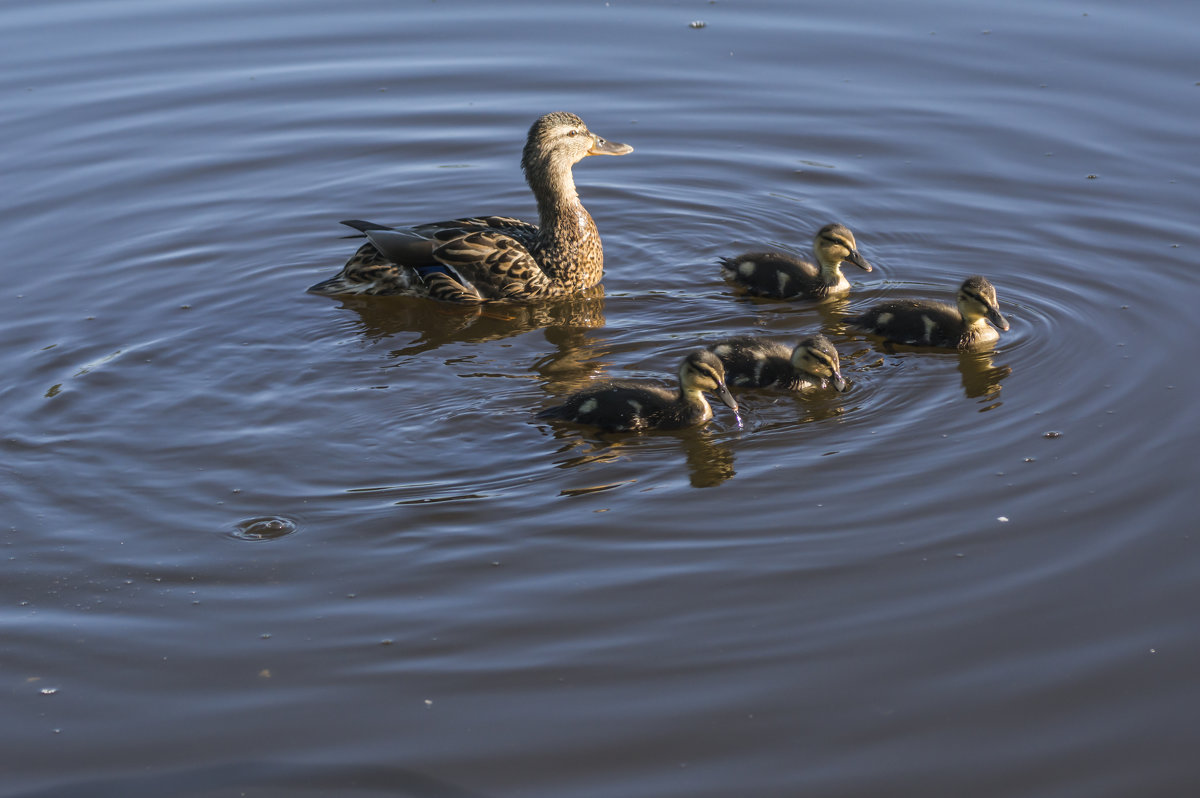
(709, 459)
(436, 324)
(980, 375)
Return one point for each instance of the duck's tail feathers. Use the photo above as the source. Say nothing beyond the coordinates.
(363, 226)
(339, 286)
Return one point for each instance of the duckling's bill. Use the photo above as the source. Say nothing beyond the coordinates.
(727, 398)
(859, 260)
(995, 317)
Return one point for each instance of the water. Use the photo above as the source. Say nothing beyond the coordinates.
(265, 543)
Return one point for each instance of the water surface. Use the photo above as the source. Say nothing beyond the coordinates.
(266, 543)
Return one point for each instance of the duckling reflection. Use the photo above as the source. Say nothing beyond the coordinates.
(936, 324)
(627, 406)
(784, 276)
(980, 376)
(709, 461)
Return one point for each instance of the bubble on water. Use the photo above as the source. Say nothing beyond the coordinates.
(267, 527)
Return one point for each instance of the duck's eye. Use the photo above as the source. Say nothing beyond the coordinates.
(572, 132)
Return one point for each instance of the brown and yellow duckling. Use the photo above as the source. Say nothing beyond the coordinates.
(926, 323)
(489, 258)
(632, 406)
(784, 276)
(761, 363)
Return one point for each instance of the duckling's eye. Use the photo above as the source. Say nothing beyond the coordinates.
(572, 132)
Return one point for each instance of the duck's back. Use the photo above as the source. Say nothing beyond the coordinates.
(773, 274)
(626, 406)
(915, 322)
(753, 363)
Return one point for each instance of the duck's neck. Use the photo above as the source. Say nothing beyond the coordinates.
(568, 247)
(831, 275)
(553, 185)
(976, 330)
(804, 379)
(695, 398)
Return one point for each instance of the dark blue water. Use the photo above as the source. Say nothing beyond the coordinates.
(265, 543)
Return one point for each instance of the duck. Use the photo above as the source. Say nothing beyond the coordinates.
(634, 406)
(494, 258)
(752, 362)
(783, 276)
(936, 324)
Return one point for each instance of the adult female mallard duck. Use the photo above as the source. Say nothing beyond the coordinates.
(926, 323)
(784, 276)
(760, 363)
(631, 406)
(489, 258)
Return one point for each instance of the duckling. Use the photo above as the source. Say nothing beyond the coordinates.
(758, 363)
(784, 276)
(630, 406)
(926, 323)
(489, 258)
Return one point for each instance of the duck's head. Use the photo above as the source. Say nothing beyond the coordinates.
(834, 244)
(817, 356)
(977, 300)
(560, 139)
(703, 371)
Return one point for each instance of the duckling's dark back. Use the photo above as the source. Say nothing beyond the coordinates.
(626, 407)
(755, 363)
(772, 274)
(913, 321)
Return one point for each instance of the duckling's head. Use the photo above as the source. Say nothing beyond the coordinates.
(977, 300)
(703, 371)
(834, 244)
(559, 140)
(817, 356)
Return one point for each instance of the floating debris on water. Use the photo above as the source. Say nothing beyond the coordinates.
(697, 24)
(268, 527)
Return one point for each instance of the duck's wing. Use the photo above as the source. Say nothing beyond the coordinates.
(522, 231)
(474, 259)
(494, 264)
